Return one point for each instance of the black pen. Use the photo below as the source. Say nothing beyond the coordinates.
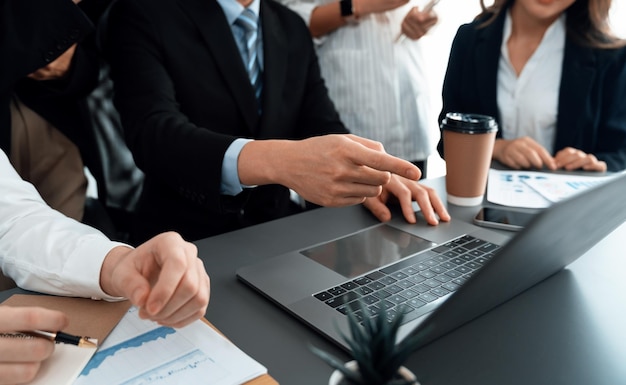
(81, 342)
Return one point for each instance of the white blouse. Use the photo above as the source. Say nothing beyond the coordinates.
(528, 104)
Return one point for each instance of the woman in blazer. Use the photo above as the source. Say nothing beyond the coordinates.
(554, 77)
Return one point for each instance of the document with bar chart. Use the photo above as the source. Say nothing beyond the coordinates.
(556, 187)
(142, 352)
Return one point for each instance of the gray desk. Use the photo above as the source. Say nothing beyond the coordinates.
(569, 329)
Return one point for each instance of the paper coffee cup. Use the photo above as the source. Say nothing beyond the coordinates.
(467, 149)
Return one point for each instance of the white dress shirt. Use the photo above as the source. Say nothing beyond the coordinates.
(378, 85)
(43, 250)
(528, 104)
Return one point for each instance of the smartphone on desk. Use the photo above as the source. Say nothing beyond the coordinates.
(502, 218)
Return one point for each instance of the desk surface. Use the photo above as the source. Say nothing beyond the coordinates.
(566, 330)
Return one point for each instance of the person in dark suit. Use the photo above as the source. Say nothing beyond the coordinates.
(50, 66)
(215, 157)
(553, 76)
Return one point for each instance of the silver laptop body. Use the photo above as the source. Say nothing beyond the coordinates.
(503, 266)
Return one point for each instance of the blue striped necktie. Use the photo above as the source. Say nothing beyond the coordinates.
(247, 21)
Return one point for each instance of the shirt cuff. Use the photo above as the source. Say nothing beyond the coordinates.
(98, 248)
(230, 184)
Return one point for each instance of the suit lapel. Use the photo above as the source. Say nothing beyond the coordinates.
(274, 68)
(208, 16)
(486, 62)
(579, 69)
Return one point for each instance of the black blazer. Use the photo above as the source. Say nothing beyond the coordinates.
(592, 97)
(32, 34)
(184, 95)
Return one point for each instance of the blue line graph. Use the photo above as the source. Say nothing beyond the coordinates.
(101, 356)
(142, 352)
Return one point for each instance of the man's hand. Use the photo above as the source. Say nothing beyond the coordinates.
(163, 277)
(416, 23)
(406, 191)
(523, 153)
(56, 69)
(329, 170)
(20, 359)
(340, 170)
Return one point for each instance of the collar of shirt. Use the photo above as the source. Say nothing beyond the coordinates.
(232, 9)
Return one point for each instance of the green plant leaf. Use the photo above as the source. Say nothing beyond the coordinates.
(372, 344)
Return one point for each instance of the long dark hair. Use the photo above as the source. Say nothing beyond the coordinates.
(587, 21)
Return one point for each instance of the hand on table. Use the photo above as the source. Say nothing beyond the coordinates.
(523, 153)
(572, 159)
(406, 191)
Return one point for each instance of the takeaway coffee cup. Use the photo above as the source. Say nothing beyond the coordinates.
(468, 145)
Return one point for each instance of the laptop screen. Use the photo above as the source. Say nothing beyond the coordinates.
(368, 250)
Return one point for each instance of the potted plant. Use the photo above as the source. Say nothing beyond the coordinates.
(377, 359)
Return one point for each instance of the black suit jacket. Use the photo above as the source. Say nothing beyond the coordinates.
(184, 95)
(33, 33)
(592, 109)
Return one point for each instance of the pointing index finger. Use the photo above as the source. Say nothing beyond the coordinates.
(373, 155)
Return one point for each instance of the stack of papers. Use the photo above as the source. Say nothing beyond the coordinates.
(533, 189)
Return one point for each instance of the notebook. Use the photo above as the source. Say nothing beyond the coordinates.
(442, 276)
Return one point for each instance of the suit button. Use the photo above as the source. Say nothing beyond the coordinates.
(49, 56)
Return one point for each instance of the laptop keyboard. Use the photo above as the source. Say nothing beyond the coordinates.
(412, 285)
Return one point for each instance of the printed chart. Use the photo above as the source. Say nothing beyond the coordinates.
(139, 352)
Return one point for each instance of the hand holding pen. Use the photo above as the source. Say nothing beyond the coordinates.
(20, 358)
(418, 22)
(61, 338)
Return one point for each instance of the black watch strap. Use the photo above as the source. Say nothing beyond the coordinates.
(346, 8)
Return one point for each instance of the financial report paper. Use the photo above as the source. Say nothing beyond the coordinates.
(142, 352)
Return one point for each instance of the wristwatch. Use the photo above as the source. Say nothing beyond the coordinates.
(347, 11)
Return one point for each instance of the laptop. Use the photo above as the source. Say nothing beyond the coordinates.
(442, 276)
